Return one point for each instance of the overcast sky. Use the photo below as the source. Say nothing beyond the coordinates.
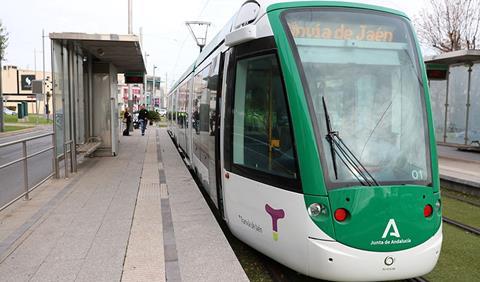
(165, 37)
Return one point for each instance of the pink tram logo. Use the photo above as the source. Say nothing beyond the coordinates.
(276, 215)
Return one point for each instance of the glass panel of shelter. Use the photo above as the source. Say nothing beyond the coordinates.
(58, 95)
(438, 95)
(457, 92)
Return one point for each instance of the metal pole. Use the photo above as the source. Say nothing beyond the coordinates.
(166, 90)
(25, 169)
(468, 102)
(43, 80)
(72, 160)
(91, 114)
(152, 95)
(35, 75)
(55, 128)
(130, 17)
(65, 144)
(54, 151)
(166, 81)
(145, 78)
(35, 62)
(446, 108)
(64, 107)
(1, 96)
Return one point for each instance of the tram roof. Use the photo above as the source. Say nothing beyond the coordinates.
(264, 5)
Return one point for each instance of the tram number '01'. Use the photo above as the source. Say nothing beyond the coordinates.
(417, 174)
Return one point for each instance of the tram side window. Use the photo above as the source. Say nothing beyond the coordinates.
(261, 129)
(183, 97)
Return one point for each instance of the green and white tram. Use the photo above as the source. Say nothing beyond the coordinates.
(309, 124)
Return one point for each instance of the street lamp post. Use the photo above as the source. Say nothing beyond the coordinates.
(2, 127)
(130, 31)
(145, 78)
(47, 110)
(130, 17)
(152, 94)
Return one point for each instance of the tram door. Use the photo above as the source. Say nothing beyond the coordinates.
(218, 118)
(260, 166)
(214, 97)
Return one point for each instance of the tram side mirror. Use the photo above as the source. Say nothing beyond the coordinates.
(241, 35)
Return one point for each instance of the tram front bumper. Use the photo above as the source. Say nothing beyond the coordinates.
(334, 261)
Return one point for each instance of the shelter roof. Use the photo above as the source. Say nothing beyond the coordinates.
(123, 51)
(455, 57)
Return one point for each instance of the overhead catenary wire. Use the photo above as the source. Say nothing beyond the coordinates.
(185, 40)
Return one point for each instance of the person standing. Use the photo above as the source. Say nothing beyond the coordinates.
(127, 118)
(142, 118)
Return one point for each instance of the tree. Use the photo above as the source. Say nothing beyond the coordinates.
(3, 46)
(449, 25)
(3, 41)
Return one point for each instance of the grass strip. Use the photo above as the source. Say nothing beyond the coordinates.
(15, 128)
(460, 211)
(458, 258)
(10, 118)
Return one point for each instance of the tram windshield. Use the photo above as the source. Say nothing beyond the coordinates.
(364, 85)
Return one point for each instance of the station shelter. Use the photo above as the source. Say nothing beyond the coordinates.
(454, 81)
(85, 100)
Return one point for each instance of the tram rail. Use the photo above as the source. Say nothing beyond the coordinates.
(460, 225)
(417, 279)
(461, 199)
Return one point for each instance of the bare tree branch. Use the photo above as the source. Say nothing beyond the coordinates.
(3, 41)
(449, 25)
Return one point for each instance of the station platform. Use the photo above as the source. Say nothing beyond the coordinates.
(135, 217)
(459, 170)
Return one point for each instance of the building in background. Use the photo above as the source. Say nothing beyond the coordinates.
(17, 86)
(137, 94)
(154, 96)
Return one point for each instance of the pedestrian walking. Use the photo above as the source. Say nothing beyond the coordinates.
(142, 118)
(127, 119)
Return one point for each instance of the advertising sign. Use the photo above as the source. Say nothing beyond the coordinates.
(26, 81)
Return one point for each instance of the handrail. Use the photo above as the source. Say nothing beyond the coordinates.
(24, 159)
(27, 157)
(25, 139)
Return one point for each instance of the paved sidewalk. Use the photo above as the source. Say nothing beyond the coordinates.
(82, 231)
(118, 219)
(203, 252)
(459, 167)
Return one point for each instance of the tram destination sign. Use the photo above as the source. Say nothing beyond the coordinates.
(340, 31)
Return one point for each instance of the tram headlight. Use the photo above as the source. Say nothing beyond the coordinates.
(316, 209)
(438, 205)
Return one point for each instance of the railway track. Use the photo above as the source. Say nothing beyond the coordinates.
(465, 227)
(417, 279)
(462, 199)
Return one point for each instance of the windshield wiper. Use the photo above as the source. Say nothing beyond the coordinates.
(338, 147)
(329, 139)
